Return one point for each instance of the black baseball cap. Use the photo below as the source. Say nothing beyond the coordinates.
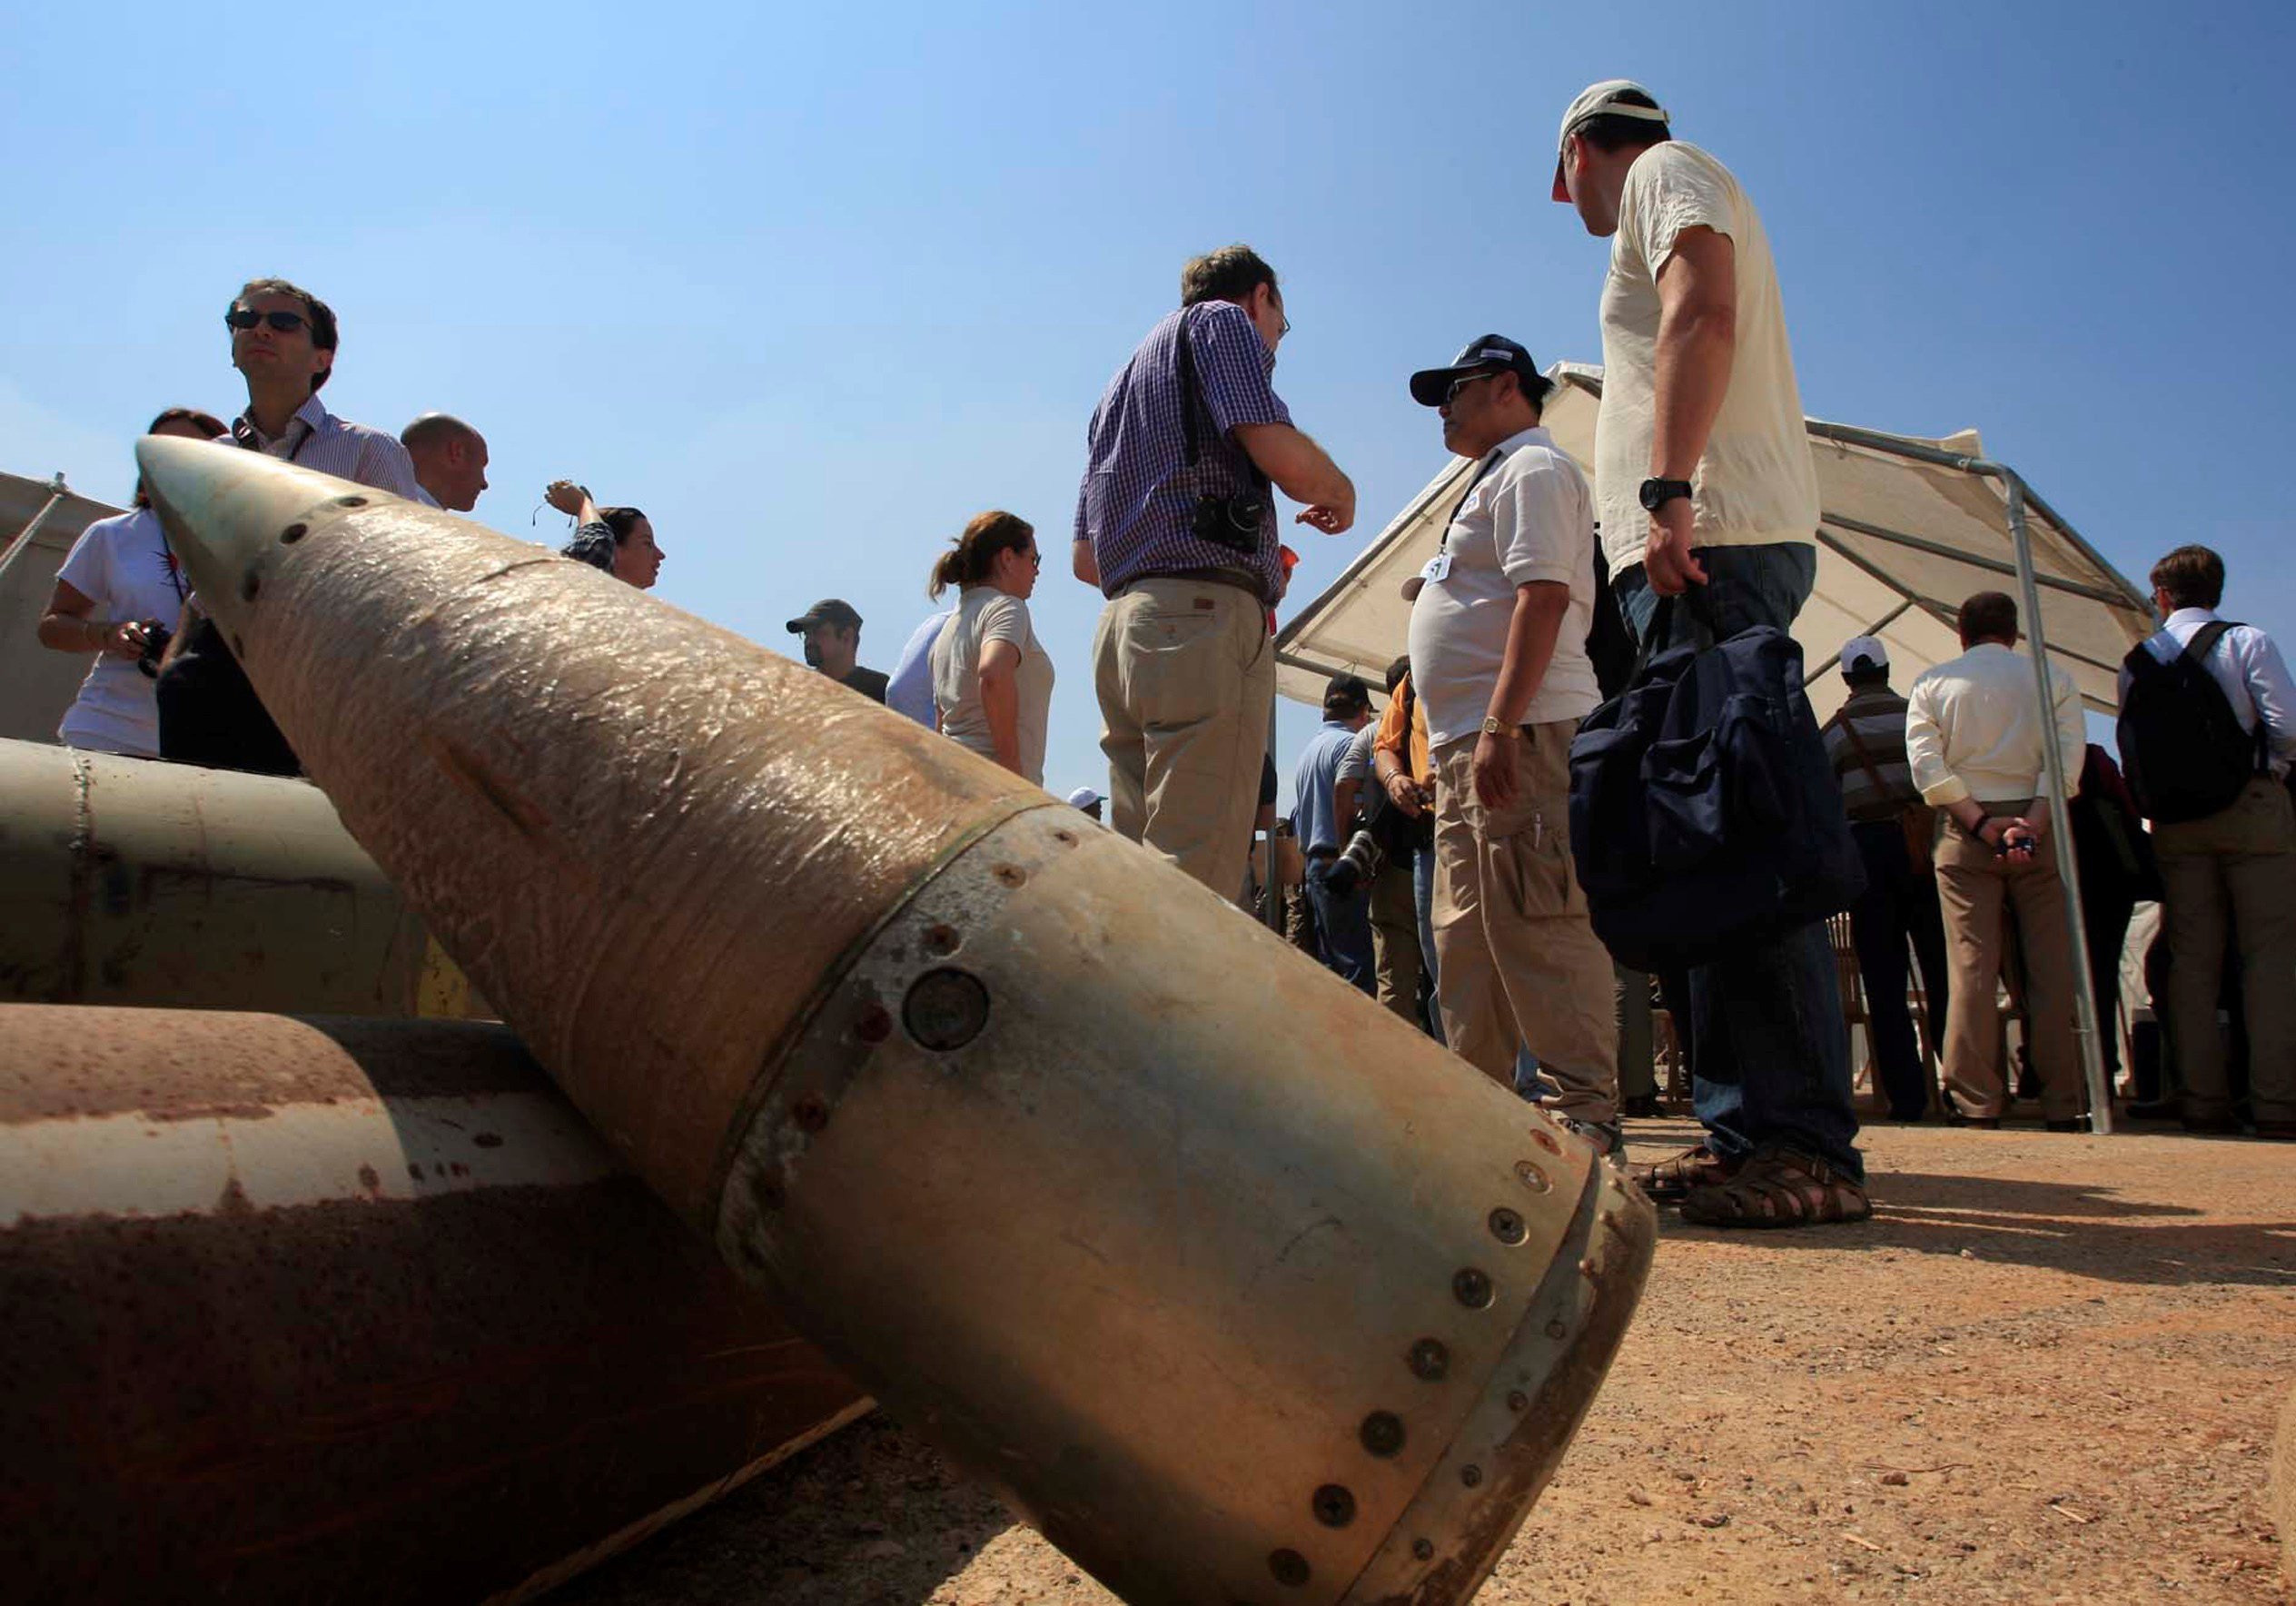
(1347, 691)
(829, 610)
(1488, 353)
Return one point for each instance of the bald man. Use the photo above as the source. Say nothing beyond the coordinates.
(450, 460)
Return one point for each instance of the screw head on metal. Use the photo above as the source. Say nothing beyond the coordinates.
(1470, 1475)
(1334, 1506)
(1472, 1288)
(1532, 1177)
(1430, 1359)
(294, 533)
(1289, 1567)
(873, 1024)
(1382, 1434)
(945, 1009)
(1422, 1550)
(809, 1112)
(1507, 1226)
(1517, 1401)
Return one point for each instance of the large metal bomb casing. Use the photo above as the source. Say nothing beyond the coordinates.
(1238, 1286)
(129, 881)
(332, 1309)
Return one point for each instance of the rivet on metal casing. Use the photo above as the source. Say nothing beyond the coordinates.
(1010, 874)
(1546, 1140)
(1557, 1330)
(1422, 1550)
(1289, 1567)
(1382, 1434)
(1064, 837)
(873, 1024)
(1532, 1177)
(1518, 1402)
(250, 586)
(1333, 1505)
(941, 941)
(294, 533)
(810, 1114)
(1430, 1359)
(1472, 1288)
(1507, 1226)
(945, 1009)
(351, 502)
(1470, 1475)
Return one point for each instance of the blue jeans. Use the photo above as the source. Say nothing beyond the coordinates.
(1423, 895)
(1346, 923)
(1769, 1051)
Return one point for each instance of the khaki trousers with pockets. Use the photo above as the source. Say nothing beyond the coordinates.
(1515, 961)
(1186, 677)
(2236, 871)
(1975, 886)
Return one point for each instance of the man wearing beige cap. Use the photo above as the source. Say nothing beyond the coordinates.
(1707, 497)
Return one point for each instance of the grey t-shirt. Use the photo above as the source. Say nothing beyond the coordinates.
(984, 614)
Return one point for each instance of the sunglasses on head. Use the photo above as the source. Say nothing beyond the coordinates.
(247, 318)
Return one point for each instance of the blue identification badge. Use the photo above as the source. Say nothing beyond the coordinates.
(1437, 567)
(1440, 565)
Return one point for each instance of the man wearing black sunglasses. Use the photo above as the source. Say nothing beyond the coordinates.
(283, 340)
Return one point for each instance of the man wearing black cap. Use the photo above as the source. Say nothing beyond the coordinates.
(1499, 622)
(1343, 909)
(1705, 486)
(831, 632)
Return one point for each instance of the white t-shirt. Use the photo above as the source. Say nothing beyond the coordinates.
(1755, 483)
(124, 565)
(984, 614)
(1530, 517)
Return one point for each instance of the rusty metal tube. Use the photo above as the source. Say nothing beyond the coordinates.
(129, 881)
(1236, 1285)
(331, 1308)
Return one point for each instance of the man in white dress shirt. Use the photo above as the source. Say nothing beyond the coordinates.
(1974, 742)
(2232, 870)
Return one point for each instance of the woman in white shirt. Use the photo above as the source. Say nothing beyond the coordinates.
(992, 681)
(118, 594)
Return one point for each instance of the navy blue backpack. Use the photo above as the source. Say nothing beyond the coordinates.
(1704, 813)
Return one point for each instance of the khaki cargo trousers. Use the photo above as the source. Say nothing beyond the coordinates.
(1185, 674)
(1515, 961)
(1974, 886)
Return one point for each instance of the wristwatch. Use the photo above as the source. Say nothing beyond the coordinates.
(1657, 493)
(1494, 725)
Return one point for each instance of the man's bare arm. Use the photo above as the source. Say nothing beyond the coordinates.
(1698, 340)
(1303, 471)
(1083, 564)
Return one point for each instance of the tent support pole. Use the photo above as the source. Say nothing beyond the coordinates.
(1274, 893)
(57, 492)
(2084, 998)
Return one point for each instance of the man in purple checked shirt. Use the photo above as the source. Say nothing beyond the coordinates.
(1176, 526)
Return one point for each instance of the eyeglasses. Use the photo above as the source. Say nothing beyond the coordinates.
(1452, 392)
(247, 318)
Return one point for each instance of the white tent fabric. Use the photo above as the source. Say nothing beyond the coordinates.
(1903, 539)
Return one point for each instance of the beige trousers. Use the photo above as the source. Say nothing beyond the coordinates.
(1395, 937)
(1975, 887)
(1515, 961)
(1186, 677)
(2235, 871)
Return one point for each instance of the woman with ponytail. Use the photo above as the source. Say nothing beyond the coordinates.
(992, 681)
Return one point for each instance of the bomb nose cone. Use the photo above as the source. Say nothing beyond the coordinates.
(223, 507)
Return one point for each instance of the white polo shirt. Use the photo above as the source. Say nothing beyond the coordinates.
(1529, 518)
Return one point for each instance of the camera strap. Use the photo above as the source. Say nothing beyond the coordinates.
(1444, 542)
(1191, 394)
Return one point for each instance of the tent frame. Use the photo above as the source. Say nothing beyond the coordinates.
(2019, 496)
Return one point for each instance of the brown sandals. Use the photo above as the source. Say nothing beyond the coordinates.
(1777, 1188)
(1668, 1180)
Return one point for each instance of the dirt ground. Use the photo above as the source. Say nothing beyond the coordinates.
(2047, 1371)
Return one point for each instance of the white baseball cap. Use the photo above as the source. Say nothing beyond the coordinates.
(1083, 798)
(1864, 651)
(1601, 100)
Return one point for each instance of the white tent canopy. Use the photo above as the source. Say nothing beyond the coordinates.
(1908, 527)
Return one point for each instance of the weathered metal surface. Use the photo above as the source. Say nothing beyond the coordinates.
(333, 1309)
(129, 881)
(1236, 1285)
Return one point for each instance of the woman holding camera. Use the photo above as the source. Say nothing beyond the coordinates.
(117, 596)
(992, 681)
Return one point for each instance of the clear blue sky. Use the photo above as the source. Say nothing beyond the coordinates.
(812, 285)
